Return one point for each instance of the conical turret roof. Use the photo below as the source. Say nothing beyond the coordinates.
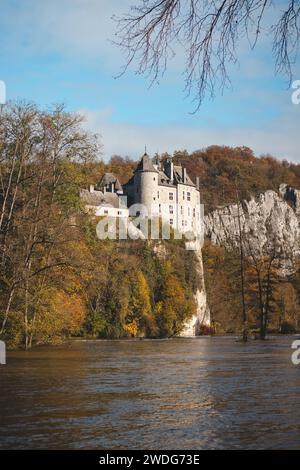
(145, 164)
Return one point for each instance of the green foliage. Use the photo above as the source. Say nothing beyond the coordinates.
(14, 331)
(94, 324)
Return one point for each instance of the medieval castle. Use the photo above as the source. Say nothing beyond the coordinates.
(155, 190)
(161, 190)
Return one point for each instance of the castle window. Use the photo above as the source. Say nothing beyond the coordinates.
(159, 207)
(154, 198)
(181, 210)
(119, 212)
(154, 178)
(183, 223)
(188, 195)
(171, 196)
(171, 221)
(182, 194)
(157, 194)
(186, 223)
(171, 209)
(189, 211)
(105, 211)
(194, 212)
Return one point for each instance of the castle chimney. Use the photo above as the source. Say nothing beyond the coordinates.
(184, 175)
(169, 169)
(112, 187)
(198, 183)
(92, 188)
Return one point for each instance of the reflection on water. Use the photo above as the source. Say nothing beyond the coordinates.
(202, 393)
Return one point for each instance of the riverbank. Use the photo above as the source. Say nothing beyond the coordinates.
(235, 337)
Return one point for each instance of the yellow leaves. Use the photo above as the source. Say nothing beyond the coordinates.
(174, 291)
(159, 307)
(61, 314)
(132, 328)
(143, 294)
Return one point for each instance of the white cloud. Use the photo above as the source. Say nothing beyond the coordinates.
(279, 138)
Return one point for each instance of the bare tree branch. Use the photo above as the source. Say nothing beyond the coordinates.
(209, 32)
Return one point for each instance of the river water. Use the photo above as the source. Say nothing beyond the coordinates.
(202, 393)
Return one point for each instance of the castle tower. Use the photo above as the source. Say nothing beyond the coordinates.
(146, 185)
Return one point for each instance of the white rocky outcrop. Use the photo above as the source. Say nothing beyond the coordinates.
(202, 317)
(268, 219)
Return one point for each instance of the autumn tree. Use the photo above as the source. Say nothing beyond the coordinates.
(174, 306)
(140, 316)
(39, 195)
(263, 269)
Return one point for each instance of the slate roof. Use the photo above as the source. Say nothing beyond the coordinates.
(109, 178)
(98, 199)
(145, 164)
(178, 176)
(129, 182)
(163, 179)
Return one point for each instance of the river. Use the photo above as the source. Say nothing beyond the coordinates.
(201, 393)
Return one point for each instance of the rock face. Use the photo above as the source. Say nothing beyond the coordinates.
(202, 317)
(269, 219)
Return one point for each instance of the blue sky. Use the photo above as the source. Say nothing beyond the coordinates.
(56, 51)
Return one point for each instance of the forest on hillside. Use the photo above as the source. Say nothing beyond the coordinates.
(57, 280)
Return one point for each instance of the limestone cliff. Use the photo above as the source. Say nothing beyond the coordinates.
(270, 217)
(202, 317)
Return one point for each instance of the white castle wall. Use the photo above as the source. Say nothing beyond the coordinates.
(166, 204)
(145, 190)
(187, 208)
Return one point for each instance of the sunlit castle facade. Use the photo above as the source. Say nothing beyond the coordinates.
(165, 190)
(156, 190)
